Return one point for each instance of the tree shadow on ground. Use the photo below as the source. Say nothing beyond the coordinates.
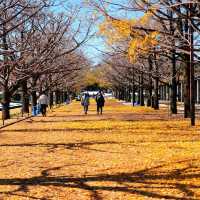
(69, 120)
(49, 130)
(67, 116)
(165, 141)
(124, 116)
(157, 182)
(103, 128)
(52, 147)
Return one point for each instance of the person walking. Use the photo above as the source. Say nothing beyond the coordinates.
(43, 101)
(85, 102)
(100, 102)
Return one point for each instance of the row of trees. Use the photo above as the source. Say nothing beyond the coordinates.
(40, 49)
(159, 47)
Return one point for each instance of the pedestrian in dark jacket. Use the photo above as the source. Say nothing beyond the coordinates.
(100, 102)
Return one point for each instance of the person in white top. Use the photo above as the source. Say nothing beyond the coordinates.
(43, 101)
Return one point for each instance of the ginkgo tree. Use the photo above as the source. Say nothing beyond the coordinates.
(139, 41)
(167, 29)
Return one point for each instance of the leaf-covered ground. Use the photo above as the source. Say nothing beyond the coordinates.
(127, 153)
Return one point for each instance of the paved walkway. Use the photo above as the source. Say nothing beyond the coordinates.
(127, 153)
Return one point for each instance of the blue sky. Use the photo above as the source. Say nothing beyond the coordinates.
(95, 45)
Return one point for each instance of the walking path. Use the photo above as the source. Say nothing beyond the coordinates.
(127, 153)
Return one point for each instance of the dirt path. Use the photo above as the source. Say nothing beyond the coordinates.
(127, 153)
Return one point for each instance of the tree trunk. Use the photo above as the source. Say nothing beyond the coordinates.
(129, 94)
(6, 103)
(25, 97)
(187, 88)
(117, 94)
(156, 100)
(139, 96)
(142, 91)
(61, 97)
(192, 82)
(192, 89)
(5, 72)
(133, 95)
(133, 86)
(65, 96)
(149, 100)
(57, 93)
(139, 88)
(173, 100)
(186, 72)
(33, 93)
(123, 94)
(126, 94)
(128, 98)
(34, 98)
(173, 95)
(50, 99)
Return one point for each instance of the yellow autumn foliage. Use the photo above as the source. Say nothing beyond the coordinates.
(96, 76)
(116, 30)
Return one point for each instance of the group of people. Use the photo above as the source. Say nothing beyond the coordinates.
(85, 102)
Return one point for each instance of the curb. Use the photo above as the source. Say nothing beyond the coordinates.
(9, 124)
(1, 127)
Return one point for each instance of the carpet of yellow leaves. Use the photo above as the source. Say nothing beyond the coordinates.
(127, 153)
